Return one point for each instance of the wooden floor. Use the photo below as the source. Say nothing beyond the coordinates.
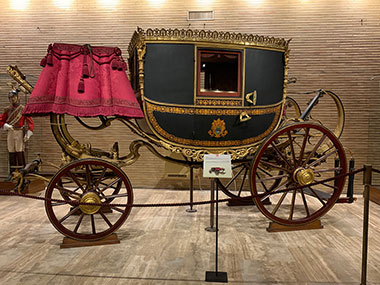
(170, 246)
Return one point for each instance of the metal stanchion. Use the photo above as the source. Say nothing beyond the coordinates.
(350, 188)
(216, 276)
(367, 181)
(191, 210)
(212, 205)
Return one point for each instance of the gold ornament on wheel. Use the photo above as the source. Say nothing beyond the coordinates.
(218, 129)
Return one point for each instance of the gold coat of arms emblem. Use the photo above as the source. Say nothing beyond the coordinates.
(218, 129)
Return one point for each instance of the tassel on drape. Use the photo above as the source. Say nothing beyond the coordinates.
(85, 71)
(43, 61)
(81, 86)
(49, 59)
(115, 63)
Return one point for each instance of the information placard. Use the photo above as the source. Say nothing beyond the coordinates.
(217, 166)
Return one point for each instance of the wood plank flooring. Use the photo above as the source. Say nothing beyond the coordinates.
(170, 246)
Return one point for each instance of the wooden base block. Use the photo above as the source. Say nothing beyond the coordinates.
(374, 195)
(69, 243)
(274, 227)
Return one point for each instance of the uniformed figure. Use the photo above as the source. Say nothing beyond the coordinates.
(20, 129)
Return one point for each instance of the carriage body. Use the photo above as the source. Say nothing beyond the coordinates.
(209, 91)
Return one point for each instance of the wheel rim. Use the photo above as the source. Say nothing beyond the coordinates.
(88, 181)
(301, 155)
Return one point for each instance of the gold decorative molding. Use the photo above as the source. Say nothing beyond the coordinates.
(173, 139)
(208, 36)
(218, 102)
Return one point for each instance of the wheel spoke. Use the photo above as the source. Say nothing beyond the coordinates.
(322, 158)
(242, 182)
(273, 177)
(279, 203)
(263, 170)
(116, 196)
(100, 177)
(317, 196)
(274, 165)
(75, 179)
(109, 185)
(117, 209)
(271, 192)
(93, 224)
(60, 188)
(327, 170)
(78, 223)
(72, 211)
(88, 178)
(305, 202)
(105, 219)
(314, 150)
(261, 182)
(302, 151)
(292, 148)
(292, 205)
(281, 154)
(233, 178)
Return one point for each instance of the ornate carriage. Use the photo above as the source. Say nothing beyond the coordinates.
(204, 92)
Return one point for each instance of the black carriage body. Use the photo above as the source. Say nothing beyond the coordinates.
(211, 90)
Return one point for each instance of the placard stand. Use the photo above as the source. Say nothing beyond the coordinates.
(216, 276)
(211, 228)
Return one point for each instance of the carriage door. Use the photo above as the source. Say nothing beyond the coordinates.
(264, 77)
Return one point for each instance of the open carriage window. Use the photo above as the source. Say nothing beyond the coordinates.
(218, 73)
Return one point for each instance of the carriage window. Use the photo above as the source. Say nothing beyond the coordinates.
(218, 73)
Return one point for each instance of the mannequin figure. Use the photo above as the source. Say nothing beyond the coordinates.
(19, 128)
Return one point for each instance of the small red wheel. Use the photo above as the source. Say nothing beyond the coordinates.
(89, 181)
(299, 157)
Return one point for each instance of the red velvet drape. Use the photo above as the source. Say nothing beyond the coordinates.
(83, 81)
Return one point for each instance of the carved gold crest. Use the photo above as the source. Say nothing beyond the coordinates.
(218, 129)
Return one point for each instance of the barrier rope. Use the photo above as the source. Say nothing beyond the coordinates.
(265, 194)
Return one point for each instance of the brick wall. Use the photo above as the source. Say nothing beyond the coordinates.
(335, 45)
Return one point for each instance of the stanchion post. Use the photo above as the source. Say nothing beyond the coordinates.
(191, 210)
(216, 276)
(367, 181)
(336, 165)
(212, 198)
(350, 187)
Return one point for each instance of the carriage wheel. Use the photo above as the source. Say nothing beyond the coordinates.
(88, 181)
(301, 155)
(237, 186)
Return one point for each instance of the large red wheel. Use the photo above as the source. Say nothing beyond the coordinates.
(299, 157)
(88, 181)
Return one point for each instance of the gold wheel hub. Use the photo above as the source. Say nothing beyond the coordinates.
(303, 176)
(90, 197)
